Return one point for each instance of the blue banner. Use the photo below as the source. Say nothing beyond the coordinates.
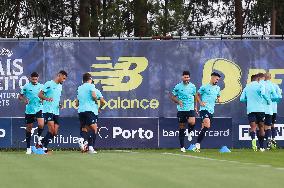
(220, 133)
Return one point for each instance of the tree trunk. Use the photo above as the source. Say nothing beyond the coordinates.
(84, 13)
(73, 19)
(239, 17)
(140, 18)
(165, 22)
(95, 12)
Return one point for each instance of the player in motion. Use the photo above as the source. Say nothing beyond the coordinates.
(50, 94)
(88, 109)
(33, 112)
(207, 96)
(183, 95)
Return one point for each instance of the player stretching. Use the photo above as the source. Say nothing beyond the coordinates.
(273, 96)
(207, 96)
(183, 95)
(50, 94)
(274, 116)
(253, 95)
(29, 95)
(88, 111)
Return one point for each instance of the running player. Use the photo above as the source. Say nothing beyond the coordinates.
(253, 95)
(207, 96)
(183, 95)
(29, 95)
(50, 94)
(88, 110)
(274, 116)
(273, 96)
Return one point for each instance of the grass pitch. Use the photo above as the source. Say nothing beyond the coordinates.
(142, 168)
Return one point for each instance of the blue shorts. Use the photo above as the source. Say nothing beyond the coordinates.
(184, 115)
(268, 120)
(205, 114)
(274, 117)
(51, 117)
(256, 117)
(87, 118)
(31, 118)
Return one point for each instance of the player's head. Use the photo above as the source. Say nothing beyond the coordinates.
(215, 77)
(267, 76)
(260, 76)
(87, 77)
(185, 77)
(253, 78)
(34, 78)
(61, 76)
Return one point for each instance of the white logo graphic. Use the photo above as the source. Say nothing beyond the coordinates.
(141, 133)
(244, 132)
(33, 130)
(2, 133)
(103, 132)
(6, 52)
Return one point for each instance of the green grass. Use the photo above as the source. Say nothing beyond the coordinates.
(142, 168)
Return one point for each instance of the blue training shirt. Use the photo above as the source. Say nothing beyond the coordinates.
(86, 101)
(271, 94)
(279, 94)
(52, 90)
(185, 93)
(31, 91)
(209, 93)
(254, 96)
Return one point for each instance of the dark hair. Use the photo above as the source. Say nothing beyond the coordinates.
(34, 74)
(253, 77)
(186, 73)
(63, 73)
(260, 75)
(86, 77)
(215, 74)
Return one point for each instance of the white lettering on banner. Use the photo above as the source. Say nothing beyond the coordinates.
(102, 132)
(117, 131)
(2, 133)
(33, 131)
(211, 133)
(244, 132)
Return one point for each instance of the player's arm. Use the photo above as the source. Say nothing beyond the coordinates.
(199, 101)
(263, 94)
(243, 97)
(102, 103)
(22, 96)
(173, 96)
(218, 100)
(42, 97)
(77, 103)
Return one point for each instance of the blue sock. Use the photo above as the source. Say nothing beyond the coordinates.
(46, 139)
(181, 137)
(261, 141)
(90, 138)
(28, 139)
(201, 134)
(190, 128)
(273, 132)
(252, 135)
(84, 135)
(268, 134)
(39, 131)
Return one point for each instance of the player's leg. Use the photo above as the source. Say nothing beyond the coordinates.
(267, 128)
(40, 122)
(49, 135)
(206, 123)
(91, 121)
(83, 141)
(273, 130)
(29, 118)
(191, 124)
(56, 125)
(181, 122)
(252, 130)
(260, 117)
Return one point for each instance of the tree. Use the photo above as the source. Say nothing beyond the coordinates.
(140, 18)
(238, 17)
(84, 12)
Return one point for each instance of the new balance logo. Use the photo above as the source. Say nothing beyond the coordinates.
(125, 75)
